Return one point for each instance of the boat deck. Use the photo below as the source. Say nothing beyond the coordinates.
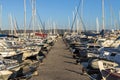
(59, 65)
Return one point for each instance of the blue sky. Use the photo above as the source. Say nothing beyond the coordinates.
(59, 10)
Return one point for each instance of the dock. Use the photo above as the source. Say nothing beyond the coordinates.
(59, 65)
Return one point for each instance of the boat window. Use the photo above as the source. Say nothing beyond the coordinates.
(91, 46)
(113, 54)
(97, 46)
(82, 46)
(104, 64)
(1, 62)
(14, 43)
(9, 43)
(83, 39)
(91, 41)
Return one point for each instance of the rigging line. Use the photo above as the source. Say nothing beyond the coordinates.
(17, 25)
(75, 15)
(82, 22)
(43, 26)
(113, 17)
(40, 20)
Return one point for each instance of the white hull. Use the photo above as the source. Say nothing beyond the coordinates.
(5, 74)
(104, 65)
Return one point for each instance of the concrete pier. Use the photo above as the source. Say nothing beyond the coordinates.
(59, 65)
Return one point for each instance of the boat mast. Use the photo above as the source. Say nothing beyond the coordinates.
(0, 17)
(24, 18)
(76, 20)
(77, 24)
(81, 8)
(33, 14)
(11, 23)
(68, 24)
(81, 15)
(73, 20)
(97, 24)
(111, 16)
(15, 27)
(54, 25)
(119, 20)
(74, 16)
(103, 15)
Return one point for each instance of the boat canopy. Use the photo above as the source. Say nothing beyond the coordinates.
(41, 34)
(6, 35)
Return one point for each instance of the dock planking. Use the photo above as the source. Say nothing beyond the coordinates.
(59, 65)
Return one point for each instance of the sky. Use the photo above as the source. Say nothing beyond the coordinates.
(58, 11)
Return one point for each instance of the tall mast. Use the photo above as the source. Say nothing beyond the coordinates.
(11, 23)
(119, 20)
(24, 17)
(73, 20)
(97, 24)
(111, 16)
(54, 25)
(74, 16)
(68, 24)
(103, 16)
(33, 13)
(81, 25)
(76, 20)
(0, 17)
(15, 27)
(77, 24)
(82, 8)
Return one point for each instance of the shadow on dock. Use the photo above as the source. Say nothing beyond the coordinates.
(74, 71)
(66, 56)
(69, 62)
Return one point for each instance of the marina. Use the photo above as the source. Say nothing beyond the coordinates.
(59, 40)
(59, 65)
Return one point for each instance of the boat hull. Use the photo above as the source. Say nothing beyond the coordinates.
(108, 75)
(17, 57)
(5, 74)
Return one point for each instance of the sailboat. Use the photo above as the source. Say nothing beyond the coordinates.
(8, 52)
(9, 69)
(109, 70)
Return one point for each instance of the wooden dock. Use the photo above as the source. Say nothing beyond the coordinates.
(59, 65)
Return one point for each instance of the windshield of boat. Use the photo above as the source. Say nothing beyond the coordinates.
(11, 43)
